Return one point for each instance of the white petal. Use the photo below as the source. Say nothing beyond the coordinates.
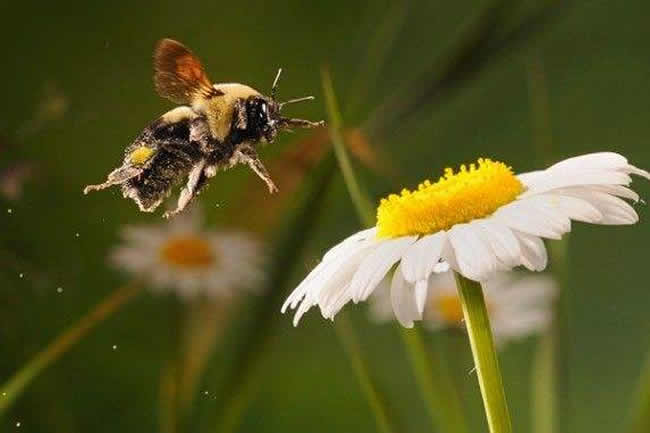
(336, 292)
(473, 257)
(403, 300)
(375, 266)
(531, 215)
(586, 177)
(574, 207)
(350, 242)
(635, 170)
(532, 178)
(533, 252)
(319, 276)
(613, 209)
(597, 160)
(617, 190)
(421, 257)
(502, 241)
(421, 288)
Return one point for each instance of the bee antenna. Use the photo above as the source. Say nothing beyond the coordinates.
(275, 83)
(293, 101)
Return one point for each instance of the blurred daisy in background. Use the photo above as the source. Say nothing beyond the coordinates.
(182, 256)
(480, 220)
(519, 305)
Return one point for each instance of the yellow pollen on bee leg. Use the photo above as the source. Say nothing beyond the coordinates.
(140, 155)
(187, 253)
(473, 192)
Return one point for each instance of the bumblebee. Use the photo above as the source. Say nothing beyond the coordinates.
(215, 127)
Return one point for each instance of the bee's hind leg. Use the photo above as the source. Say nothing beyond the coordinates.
(116, 177)
(195, 180)
(248, 155)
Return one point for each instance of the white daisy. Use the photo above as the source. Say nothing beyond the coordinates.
(519, 306)
(480, 220)
(181, 256)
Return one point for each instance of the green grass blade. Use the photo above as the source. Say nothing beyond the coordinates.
(15, 386)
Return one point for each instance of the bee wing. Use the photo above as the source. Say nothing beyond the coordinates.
(179, 74)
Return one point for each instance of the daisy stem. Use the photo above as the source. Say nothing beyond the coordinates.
(344, 328)
(359, 199)
(346, 334)
(543, 386)
(550, 403)
(19, 381)
(436, 386)
(485, 356)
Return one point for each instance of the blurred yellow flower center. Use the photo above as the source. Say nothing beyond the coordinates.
(471, 193)
(187, 253)
(140, 155)
(450, 309)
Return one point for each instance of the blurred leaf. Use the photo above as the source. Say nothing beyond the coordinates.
(640, 419)
(481, 43)
(263, 312)
(15, 386)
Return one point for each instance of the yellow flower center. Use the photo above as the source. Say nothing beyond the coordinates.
(471, 193)
(450, 309)
(187, 253)
(140, 155)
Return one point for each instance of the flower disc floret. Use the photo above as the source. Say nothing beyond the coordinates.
(472, 192)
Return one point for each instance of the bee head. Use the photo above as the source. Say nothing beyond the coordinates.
(268, 112)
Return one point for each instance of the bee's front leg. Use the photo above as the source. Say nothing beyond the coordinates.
(195, 180)
(248, 155)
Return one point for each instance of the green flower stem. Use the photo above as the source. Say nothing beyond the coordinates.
(434, 379)
(345, 331)
(640, 420)
(439, 393)
(17, 384)
(359, 199)
(485, 356)
(543, 414)
(348, 338)
(550, 403)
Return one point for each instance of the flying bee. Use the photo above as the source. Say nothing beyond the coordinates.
(215, 127)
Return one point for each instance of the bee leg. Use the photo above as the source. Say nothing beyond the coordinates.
(116, 177)
(248, 156)
(195, 180)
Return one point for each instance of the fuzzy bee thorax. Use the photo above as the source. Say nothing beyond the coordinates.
(220, 108)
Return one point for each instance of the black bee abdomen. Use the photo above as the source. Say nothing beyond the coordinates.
(169, 166)
(173, 156)
(173, 131)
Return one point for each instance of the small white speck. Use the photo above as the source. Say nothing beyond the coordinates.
(76, 235)
(4, 394)
(10, 210)
(206, 392)
(18, 424)
(21, 275)
(114, 346)
(59, 290)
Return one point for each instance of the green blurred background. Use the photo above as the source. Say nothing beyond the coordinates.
(77, 89)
